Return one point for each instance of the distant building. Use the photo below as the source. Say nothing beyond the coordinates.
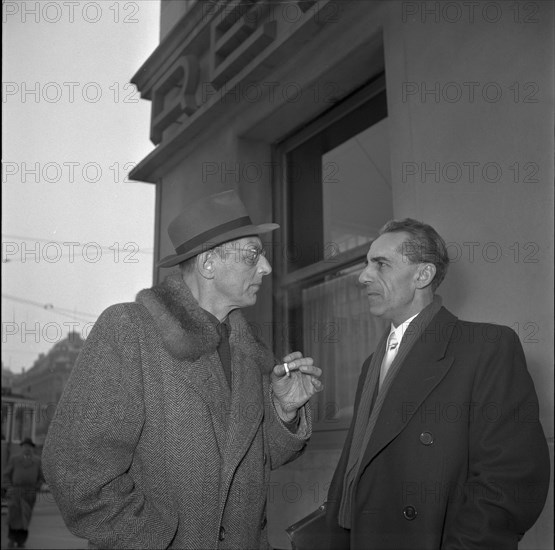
(7, 379)
(45, 380)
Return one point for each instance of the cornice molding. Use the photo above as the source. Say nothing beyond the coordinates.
(246, 58)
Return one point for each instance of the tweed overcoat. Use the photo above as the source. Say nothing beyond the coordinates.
(149, 448)
(458, 458)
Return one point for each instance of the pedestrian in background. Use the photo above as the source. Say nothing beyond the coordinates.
(22, 479)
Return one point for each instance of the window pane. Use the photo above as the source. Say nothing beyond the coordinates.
(338, 185)
(305, 204)
(356, 189)
(339, 333)
(23, 422)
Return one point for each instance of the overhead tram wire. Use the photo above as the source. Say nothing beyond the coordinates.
(73, 314)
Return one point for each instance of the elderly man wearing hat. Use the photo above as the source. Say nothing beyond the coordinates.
(175, 413)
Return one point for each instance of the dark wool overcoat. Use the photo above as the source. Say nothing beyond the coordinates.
(458, 458)
(149, 448)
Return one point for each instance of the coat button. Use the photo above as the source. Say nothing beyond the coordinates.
(222, 533)
(426, 438)
(409, 512)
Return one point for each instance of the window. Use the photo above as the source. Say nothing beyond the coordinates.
(23, 421)
(333, 193)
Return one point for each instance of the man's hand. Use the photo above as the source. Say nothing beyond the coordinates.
(294, 382)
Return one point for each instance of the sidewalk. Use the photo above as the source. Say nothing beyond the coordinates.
(47, 530)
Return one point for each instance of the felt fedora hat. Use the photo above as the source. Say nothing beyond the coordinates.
(209, 222)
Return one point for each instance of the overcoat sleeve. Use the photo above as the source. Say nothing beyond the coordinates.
(92, 439)
(508, 462)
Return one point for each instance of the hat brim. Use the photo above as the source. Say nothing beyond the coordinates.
(245, 231)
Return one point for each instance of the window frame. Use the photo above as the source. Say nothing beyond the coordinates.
(286, 283)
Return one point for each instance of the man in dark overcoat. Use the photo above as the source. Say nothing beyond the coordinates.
(445, 450)
(175, 412)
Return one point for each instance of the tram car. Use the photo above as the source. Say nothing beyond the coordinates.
(19, 420)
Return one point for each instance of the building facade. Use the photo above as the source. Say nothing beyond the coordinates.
(44, 382)
(330, 118)
(7, 379)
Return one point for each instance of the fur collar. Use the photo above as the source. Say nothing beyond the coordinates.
(186, 329)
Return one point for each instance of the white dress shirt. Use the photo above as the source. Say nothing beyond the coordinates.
(393, 342)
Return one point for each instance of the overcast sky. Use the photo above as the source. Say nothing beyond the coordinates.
(76, 236)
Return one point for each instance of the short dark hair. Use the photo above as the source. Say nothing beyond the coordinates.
(425, 245)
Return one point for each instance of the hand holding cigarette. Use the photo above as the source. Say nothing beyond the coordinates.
(294, 382)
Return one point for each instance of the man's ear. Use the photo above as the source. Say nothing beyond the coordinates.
(426, 274)
(206, 265)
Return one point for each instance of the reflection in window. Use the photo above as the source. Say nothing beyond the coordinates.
(338, 185)
(356, 188)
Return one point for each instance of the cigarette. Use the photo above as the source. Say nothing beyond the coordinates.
(287, 372)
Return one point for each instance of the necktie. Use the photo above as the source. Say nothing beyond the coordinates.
(392, 348)
(224, 350)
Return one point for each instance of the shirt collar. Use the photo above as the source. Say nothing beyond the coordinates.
(216, 322)
(400, 330)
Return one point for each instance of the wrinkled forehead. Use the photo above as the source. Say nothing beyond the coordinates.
(388, 245)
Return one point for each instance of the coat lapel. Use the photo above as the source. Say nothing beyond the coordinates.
(247, 400)
(191, 339)
(206, 377)
(423, 369)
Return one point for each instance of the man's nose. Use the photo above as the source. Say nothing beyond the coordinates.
(366, 275)
(264, 266)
